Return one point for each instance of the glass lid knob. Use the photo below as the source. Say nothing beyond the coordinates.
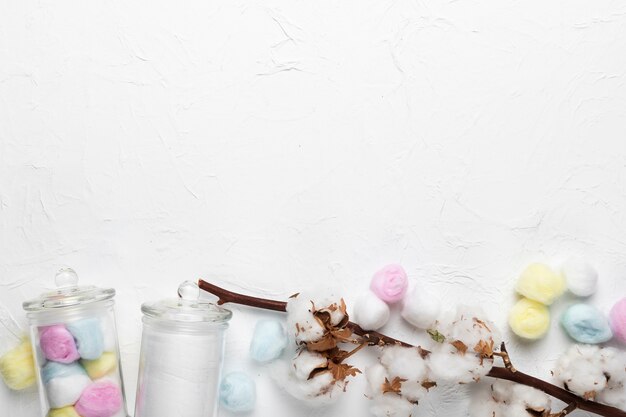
(189, 290)
(66, 277)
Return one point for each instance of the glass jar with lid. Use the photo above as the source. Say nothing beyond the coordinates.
(76, 350)
(181, 356)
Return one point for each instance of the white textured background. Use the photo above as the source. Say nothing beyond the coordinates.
(278, 145)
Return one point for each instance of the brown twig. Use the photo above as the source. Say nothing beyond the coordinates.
(378, 339)
(505, 358)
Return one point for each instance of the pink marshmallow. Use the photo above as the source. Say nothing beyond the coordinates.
(617, 318)
(101, 399)
(57, 344)
(390, 283)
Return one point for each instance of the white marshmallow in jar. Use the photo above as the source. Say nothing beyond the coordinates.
(181, 358)
(76, 351)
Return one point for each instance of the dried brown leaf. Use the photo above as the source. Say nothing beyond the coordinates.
(429, 384)
(460, 346)
(394, 386)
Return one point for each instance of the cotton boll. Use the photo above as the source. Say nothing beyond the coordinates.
(530, 397)
(582, 278)
(375, 375)
(305, 362)
(445, 363)
(540, 283)
(370, 312)
(413, 390)
(529, 319)
(420, 309)
(482, 404)
(404, 362)
(332, 305)
(268, 341)
(581, 370)
(315, 392)
(391, 405)
(301, 323)
(469, 328)
(586, 324)
(614, 365)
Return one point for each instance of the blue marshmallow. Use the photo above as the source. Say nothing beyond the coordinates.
(586, 324)
(88, 336)
(53, 370)
(268, 341)
(237, 392)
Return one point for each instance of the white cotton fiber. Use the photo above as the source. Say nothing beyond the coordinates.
(375, 376)
(447, 364)
(315, 392)
(301, 324)
(370, 312)
(580, 369)
(581, 278)
(305, 362)
(404, 362)
(507, 399)
(391, 405)
(420, 308)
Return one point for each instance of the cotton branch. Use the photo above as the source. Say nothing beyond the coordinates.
(374, 338)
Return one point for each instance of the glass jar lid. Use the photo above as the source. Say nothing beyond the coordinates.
(189, 308)
(68, 293)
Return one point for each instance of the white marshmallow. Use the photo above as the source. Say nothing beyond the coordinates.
(64, 391)
(581, 278)
(370, 312)
(420, 309)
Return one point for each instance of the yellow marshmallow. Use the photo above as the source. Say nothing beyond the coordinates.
(68, 411)
(98, 368)
(529, 319)
(540, 283)
(17, 367)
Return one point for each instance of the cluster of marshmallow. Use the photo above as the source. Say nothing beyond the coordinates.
(78, 374)
(540, 286)
(508, 399)
(398, 382)
(594, 373)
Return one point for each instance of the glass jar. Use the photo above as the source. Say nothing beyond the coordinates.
(74, 339)
(181, 356)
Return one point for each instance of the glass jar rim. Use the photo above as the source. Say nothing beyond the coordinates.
(186, 311)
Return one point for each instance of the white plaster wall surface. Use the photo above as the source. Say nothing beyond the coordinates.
(274, 146)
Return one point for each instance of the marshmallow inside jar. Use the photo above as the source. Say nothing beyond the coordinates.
(74, 338)
(181, 356)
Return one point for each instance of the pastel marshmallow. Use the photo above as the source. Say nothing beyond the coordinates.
(57, 344)
(529, 319)
(88, 336)
(586, 324)
(100, 399)
(370, 312)
(420, 309)
(100, 367)
(390, 283)
(581, 278)
(617, 317)
(68, 411)
(540, 283)
(65, 390)
(238, 392)
(268, 341)
(17, 367)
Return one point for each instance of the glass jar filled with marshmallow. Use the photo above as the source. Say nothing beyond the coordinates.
(76, 352)
(181, 356)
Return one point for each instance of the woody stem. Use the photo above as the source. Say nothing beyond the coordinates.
(374, 338)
